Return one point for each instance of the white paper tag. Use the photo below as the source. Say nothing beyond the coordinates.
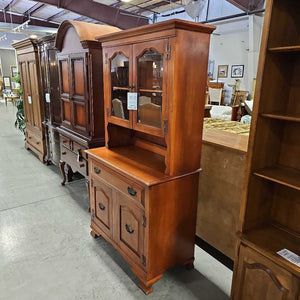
(47, 97)
(29, 99)
(132, 101)
(290, 256)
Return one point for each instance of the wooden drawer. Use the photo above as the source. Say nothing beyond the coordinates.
(129, 188)
(71, 159)
(64, 141)
(35, 141)
(79, 148)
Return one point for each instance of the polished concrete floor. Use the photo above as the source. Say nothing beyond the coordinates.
(46, 251)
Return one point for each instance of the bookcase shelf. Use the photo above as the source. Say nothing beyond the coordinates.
(295, 48)
(282, 175)
(284, 117)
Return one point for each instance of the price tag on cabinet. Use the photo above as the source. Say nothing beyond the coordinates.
(47, 97)
(29, 99)
(132, 101)
(290, 256)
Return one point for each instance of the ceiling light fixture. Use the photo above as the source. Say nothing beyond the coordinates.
(126, 1)
(21, 26)
(3, 37)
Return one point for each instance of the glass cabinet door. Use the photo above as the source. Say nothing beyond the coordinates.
(150, 73)
(119, 72)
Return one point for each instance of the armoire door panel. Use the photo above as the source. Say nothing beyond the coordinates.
(78, 76)
(66, 112)
(64, 76)
(80, 121)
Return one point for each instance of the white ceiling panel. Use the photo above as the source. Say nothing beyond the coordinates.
(106, 2)
(4, 3)
(23, 5)
(67, 16)
(47, 11)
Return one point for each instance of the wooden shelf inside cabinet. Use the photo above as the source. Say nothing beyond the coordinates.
(285, 117)
(270, 239)
(282, 175)
(121, 88)
(285, 49)
(150, 90)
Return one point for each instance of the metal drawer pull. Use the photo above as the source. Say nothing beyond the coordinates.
(101, 206)
(131, 191)
(64, 153)
(129, 229)
(97, 170)
(81, 165)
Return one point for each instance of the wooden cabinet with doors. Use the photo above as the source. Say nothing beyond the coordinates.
(29, 69)
(81, 93)
(50, 96)
(144, 182)
(270, 206)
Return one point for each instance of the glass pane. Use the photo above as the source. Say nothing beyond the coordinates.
(150, 85)
(150, 70)
(119, 72)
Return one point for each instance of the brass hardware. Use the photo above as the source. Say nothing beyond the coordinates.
(131, 191)
(129, 229)
(64, 153)
(165, 126)
(107, 112)
(143, 260)
(37, 143)
(101, 206)
(81, 165)
(168, 51)
(97, 170)
(144, 221)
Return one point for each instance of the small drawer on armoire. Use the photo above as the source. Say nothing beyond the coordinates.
(34, 141)
(129, 188)
(65, 142)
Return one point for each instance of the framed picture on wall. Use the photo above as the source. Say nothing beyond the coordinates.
(222, 71)
(237, 71)
(14, 71)
(7, 82)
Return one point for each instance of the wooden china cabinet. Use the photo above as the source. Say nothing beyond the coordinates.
(50, 96)
(28, 60)
(270, 211)
(143, 183)
(81, 93)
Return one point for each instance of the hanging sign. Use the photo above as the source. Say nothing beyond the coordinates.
(47, 97)
(29, 99)
(132, 101)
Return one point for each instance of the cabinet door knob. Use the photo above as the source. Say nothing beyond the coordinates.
(129, 229)
(97, 170)
(101, 206)
(131, 191)
(64, 153)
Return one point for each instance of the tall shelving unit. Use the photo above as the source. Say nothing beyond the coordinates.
(271, 201)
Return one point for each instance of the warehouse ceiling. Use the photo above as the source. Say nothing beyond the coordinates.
(123, 14)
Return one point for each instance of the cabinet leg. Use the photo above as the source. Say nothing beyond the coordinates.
(189, 265)
(62, 170)
(69, 173)
(94, 234)
(146, 286)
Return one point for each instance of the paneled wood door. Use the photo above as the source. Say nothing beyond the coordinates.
(260, 278)
(150, 71)
(129, 229)
(79, 93)
(64, 81)
(102, 206)
(117, 84)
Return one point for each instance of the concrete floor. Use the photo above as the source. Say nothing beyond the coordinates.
(46, 251)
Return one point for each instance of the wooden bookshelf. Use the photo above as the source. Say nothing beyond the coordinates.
(270, 207)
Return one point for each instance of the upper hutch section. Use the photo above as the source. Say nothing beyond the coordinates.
(154, 88)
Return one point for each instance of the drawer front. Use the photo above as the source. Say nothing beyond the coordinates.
(130, 228)
(130, 189)
(66, 142)
(101, 206)
(71, 159)
(79, 149)
(35, 141)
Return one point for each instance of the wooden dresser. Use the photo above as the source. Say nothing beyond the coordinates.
(81, 93)
(144, 183)
(270, 211)
(28, 59)
(50, 96)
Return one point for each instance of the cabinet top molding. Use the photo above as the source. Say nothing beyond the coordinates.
(85, 31)
(152, 28)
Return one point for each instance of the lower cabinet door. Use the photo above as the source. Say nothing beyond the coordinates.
(130, 228)
(101, 206)
(259, 278)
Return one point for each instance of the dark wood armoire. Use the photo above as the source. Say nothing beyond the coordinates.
(81, 93)
(28, 60)
(50, 95)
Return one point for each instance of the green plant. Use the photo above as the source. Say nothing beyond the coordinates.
(20, 117)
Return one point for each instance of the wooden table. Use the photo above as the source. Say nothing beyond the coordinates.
(12, 98)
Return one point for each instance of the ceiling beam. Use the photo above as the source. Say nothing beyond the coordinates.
(33, 9)
(100, 12)
(58, 15)
(10, 4)
(153, 6)
(247, 5)
(20, 19)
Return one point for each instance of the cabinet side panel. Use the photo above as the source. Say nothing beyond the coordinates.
(172, 223)
(191, 55)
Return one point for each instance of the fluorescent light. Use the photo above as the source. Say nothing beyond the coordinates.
(126, 1)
